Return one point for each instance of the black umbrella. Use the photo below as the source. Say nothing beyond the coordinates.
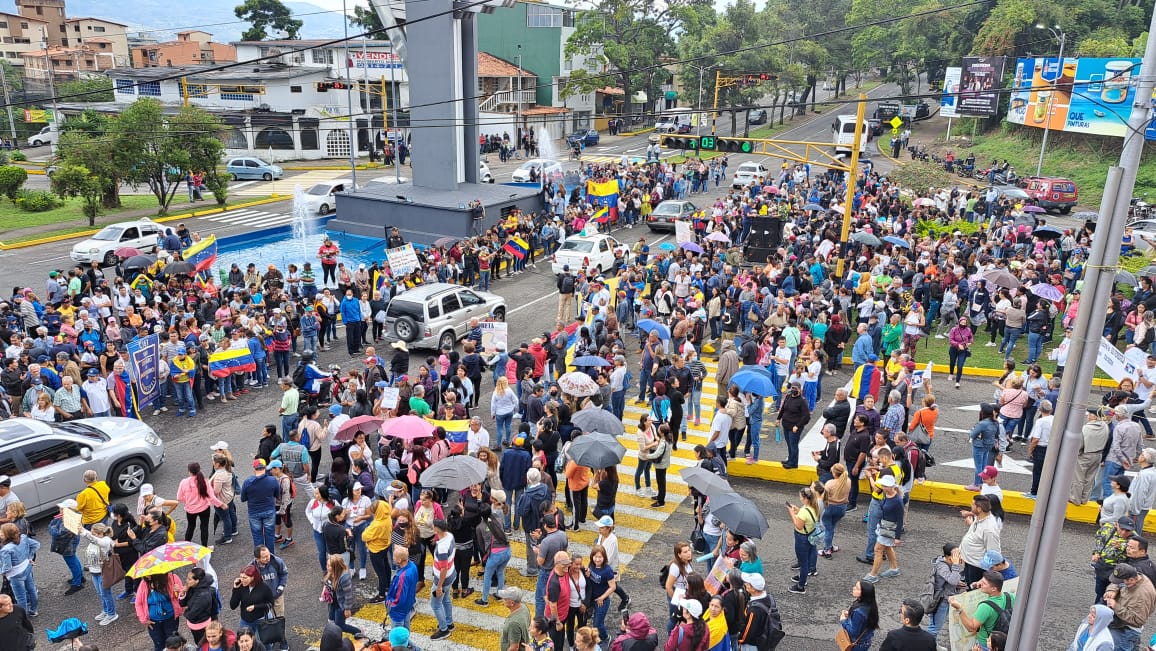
(1048, 232)
(865, 238)
(138, 262)
(455, 473)
(705, 481)
(1149, 271)
(595, 419)
(740, 515)
(180, 267)
(596, 450)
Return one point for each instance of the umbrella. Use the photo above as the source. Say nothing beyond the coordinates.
(705, 481)
(770, 189)
(1033, 209)
(445, 241)
(1125, 277)
(812, 206)
(646, 325)
(138, 262)
(667, 246)
(168, 557)
(407, 428)
(719, 237)
(1048, 232)
(596, 450)
(1001, 278)
(180, 267)
(595, 419)
(866, 238)
(1048, 292)
(1149, 271)
(691, 246)
(924, 202)
(897, 241)
(740, 515)
(455, 473)
(577, 384)
(1086, 215)
(352, 426)
(126, 252)
(589, 360)
(753, 382)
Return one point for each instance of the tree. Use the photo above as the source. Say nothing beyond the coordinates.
(76, 181)
(265, 14)
(86, 90)
(631, 36)
(85, 141)
(367, 19)
(200, 139)
(12, 178)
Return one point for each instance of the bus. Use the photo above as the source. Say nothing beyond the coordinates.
(843, 134)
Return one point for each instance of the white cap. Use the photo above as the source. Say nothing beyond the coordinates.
(756, 581)
(146, 489)
(218, 446)
(692, 606)
(68, 504)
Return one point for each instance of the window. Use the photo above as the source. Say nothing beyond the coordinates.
(450, 304)
(40, 11)
(274, 138)
(49, 451)
(129, 234)
(538, 16)
(97, 28)
(194, 90)
(309, 139)
(8, 39)
(149, 89)
(241, 93)
(435, 310)
(294, 89)
(3, 24)
(23, 25)
(322, 56)
(8, 464)
(125, 87)
(469, 298)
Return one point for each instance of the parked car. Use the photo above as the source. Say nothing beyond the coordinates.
(599, 253)
(252, 168)
(435, 315)
(142, 235)
(588, 138)
(748, 173)
(666, 213)
(757, 116)
(320, 198)
(47, 136)
(545, 166)
(874, 128)
(47, 461)
(484, 174)
(1053, 193)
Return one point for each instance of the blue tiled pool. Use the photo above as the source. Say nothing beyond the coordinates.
(277, 246)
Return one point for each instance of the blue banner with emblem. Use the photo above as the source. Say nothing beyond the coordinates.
(144, 355)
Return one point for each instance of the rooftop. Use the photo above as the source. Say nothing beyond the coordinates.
(310, 42)
(491, 66)
(245, 72)
(99, 20)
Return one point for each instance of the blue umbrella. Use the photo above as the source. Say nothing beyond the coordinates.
(812, 206)
(667, 246)
(691, 246)
(754, 382)
(646, 325)
(897, 241)
(589, 360)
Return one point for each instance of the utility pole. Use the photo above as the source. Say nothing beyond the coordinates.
(518, 96)
(394, 89)
(1058, 33)
(349, 98)
(1047, 523)
(8, 106)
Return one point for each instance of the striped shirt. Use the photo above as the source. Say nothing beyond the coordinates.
(697, 370)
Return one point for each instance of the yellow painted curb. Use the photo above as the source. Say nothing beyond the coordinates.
(630, 134)
(327, 168)
(187, 215)
(36, 172)
(980, 371)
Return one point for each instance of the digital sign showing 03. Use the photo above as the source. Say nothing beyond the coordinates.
(706, 143)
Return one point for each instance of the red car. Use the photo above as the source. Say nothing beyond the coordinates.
(1053, 193)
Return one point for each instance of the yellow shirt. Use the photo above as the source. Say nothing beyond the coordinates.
(92, 502)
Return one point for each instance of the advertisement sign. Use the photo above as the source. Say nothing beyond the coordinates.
(402, 260)
(979, 84)
(1078, 95)
(377, 60)
(144, 356)
(950, 97)
(39, 115)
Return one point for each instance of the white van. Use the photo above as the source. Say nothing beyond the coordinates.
(47, 136)
(843, 134)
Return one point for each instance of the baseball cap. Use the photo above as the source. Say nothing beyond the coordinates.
(605, 521)
(887, 481)
(5, 480)
(991, 559)
(371, 360)
(989, 472)
(513, 593)
(276, 463)
(92, 372)
(68, 504)
(398, 637)
(218, 446)
(1124, 481)
(1124, 571)
(146, 489)
(1126, 523)
(334, 410)
(258, 464)
(756, 581)
(692, 606)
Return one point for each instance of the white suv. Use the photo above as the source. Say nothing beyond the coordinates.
(435, 315)
(142, 235)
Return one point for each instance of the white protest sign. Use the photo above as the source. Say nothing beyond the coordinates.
(494, 334)
(683, 231)
(1114, 362)
(402, 260)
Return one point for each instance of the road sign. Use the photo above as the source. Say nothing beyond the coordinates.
(895, 131)
(896, 122)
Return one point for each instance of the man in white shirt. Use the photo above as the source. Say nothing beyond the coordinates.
(94, 395)
(1038, 440)
(476, 437)
(720, 427)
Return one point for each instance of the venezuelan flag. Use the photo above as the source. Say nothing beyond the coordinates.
(603, 194)
(601, 215)
(144, 283)
(719, 640)
(224, 362)
(865, 382)
(517, 247)
(379, 278)
(456, 433)
(202, 254)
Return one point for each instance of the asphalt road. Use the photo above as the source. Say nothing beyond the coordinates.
(810, 620)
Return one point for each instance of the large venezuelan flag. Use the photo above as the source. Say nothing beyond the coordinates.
(865, 382)
(603, 194)
(456, 433)
(517, 247)
(202, 254)
(224, 362)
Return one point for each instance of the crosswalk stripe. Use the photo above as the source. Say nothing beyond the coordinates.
(231, 214)
(263, 222)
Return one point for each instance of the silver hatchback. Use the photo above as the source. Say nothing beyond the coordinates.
(435, 315)
(47, 461)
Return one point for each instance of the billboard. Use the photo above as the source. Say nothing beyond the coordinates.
(979, 86)
(949, 100)
(384, 60)
(1078, 95)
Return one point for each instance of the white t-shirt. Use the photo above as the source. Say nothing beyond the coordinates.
(610, 544)
(96, 393)
(985, 489)
(720, 427)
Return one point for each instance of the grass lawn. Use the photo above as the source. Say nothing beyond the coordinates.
(984, 356)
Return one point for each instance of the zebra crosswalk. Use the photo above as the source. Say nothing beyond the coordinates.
(252, 218)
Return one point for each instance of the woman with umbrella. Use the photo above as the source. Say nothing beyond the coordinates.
(158, 607)
(464, 517)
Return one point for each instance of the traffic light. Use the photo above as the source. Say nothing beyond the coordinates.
(735, 145)
(325, 86)
(680, 142)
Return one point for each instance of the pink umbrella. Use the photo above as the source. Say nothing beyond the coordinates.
(924, 201)
(770, 189)
(718, 237)
(352, 426)
(408, 428)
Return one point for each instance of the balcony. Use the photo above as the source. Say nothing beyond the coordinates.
(508, 97)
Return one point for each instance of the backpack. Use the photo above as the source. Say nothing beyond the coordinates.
(1003, 616)
(160, 606)
(62, 538)
(299, 379)
(663, 574)
(294, 467)
(216, 607)
(922, 463)
(773, 633)
(932, 592)
(627, 380)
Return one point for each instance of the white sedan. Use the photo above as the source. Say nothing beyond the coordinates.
(595, 253)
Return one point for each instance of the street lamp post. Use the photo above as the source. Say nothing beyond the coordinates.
(698, 106)
(1062, 37)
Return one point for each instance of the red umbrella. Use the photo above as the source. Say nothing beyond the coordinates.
(352, 426)
(126, 252)
(407, 428)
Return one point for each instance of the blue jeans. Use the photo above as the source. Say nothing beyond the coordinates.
(226, 385)
(874, 516)
(618, 403)
(979, 457)
(806, 555)
(1035, 346)
(1111, 469)
(484, 282)
(600, 617)
(938, 619)
(107, 602)
(337, 616)
(281, 360)
(540, 592)
(262, 373)
(504, 423)
(1008, 343)
(495, 566)
(643, 383)
(319, 543)
(228, 518)
(261, 525)
(443, 607)
(310, 342)
(792, 437)
(830, 518)
(74, 568)
(1126, 639)
(359, 545)
(161, 631)
(1009, 428)
(288, 422)
(183, 394)
(643, 470)
(24, 587)
(695, 408)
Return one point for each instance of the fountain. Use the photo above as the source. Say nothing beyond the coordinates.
(546, 146)
(300, 222)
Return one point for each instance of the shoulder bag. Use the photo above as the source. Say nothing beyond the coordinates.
(271, 628)
(111, 571)
(843, 639)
